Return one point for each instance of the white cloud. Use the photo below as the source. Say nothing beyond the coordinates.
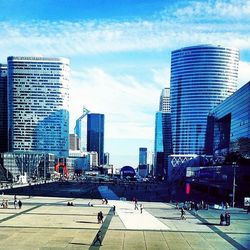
(244, 73)
(128, 104)
(236, 9)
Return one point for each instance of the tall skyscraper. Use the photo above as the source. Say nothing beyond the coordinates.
(3, 109)
(38, 104)
(81, 130)
(95, 135)
(163, 139)
(201, 78)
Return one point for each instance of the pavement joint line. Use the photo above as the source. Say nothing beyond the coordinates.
(220, 233)
(70, 228)
(103, 229)
(17, 214)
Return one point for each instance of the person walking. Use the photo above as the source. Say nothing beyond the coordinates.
(20, 204)
(182, 214)
(15, 203)
(141, 208)
(114, 209)
(227, 218)
(101, 216)
(98, 238)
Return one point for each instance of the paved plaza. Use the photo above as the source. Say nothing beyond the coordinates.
(48, 223)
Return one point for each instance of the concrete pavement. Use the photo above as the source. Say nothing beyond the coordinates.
(48, 223)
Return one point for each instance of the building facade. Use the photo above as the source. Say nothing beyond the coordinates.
(81, 130)
(95, 135)
(38, 104)
(3, 109)
(228, 127)
(201, 78)
(163, 137)
(143, 156)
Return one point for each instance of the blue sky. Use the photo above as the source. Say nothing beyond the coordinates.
(120, 52)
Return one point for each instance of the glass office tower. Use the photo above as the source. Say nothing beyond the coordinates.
(143, 152)
(95, 135)
(3, 109)
(163, 139)
(201, 78)
(229, 124)
(38, 104)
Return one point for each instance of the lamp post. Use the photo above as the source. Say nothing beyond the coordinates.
(234, 185)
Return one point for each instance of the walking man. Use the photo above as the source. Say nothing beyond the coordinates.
(141, 207)
(182, 214)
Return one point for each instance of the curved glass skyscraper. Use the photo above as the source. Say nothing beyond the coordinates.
(201, 78)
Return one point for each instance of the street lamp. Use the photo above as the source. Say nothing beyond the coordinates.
(234, 185)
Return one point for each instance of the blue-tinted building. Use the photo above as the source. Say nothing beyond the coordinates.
(228, 127)
(38, 103)
(163, 137)
(201, 78)
(3, 109)
(81, 130)
(158, 132)
(95, 135)
(143, 156)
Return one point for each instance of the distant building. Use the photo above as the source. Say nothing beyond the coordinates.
(95, 135)
(143, 156)
(163, 137)
(81, 130)
(93, 160)
(73, 142)
(106, 159)
(38, 102)
(80, 161)
(3, 109)
(202, 77)
(228, 127)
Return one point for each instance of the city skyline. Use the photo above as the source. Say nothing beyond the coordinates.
(120, 54)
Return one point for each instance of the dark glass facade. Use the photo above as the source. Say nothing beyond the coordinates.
(201, 78)
(143, 156)
(3, 109)
(95, 135)
(229, 123)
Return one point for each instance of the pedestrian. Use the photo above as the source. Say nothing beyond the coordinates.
(98, 238)
(222, 220)
(227, 218)
(182, 214)
(114, 209)
(136, 205)
(101, 217)
(196, 208)
(15, 203)
(141, 207)
(20, 204)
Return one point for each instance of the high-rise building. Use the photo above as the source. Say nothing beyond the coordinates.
(3, 109)
(106, 158)
(163, 139)
(165, 100)
(143, 156)
(38, 104)
(81, 130)
(95, 135)
(201, 78)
